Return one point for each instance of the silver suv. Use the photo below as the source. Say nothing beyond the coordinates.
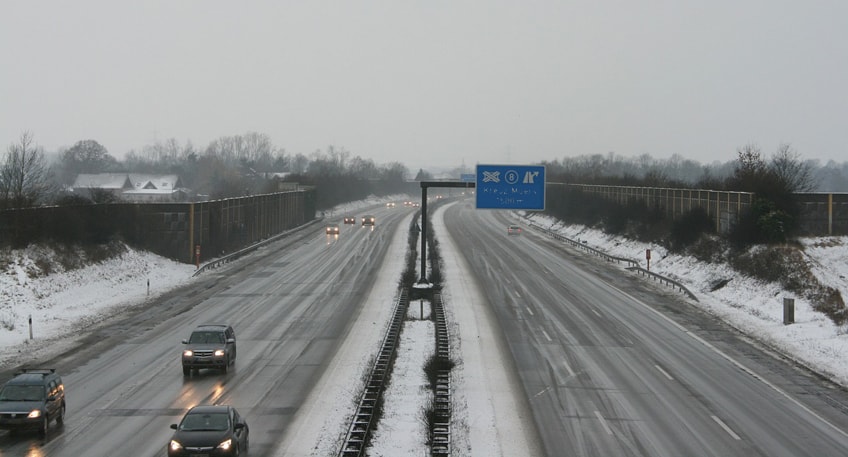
(209, 346)
(32, 399)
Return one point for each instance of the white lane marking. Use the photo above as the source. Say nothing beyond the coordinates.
(664, 372)
(603, 422)
(543, 391)
(571, 373)
(547, 337)
(726, 428)
(529, 310)
(739, 365)
(596, 313)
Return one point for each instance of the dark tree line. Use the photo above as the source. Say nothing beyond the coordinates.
(229, 166)
(250, 164)
(773, 216)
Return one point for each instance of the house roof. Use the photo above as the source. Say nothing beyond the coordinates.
(113, 181)
(129, 181)
(148, 181)
(152, 191)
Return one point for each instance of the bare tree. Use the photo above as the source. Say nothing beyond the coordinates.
(751, 169)
(795, 174)
(86, 156)
(24, 176)
(299, 164)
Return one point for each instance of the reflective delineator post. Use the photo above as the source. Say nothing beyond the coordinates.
(788, 311)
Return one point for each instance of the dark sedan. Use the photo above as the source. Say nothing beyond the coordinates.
(210, 430)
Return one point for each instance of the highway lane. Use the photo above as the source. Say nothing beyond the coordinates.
(290, 303)
(613, 365)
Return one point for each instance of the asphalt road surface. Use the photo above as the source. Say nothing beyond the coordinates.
(613, 365)
(290, 304)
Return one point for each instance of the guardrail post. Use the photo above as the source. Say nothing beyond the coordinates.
(788, 311)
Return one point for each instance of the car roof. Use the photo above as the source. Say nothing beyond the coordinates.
(204, 409)
(30, 377)
(212, 327)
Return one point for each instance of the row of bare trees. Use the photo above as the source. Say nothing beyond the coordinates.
(678, 171)
(775, 183)
(240, 164)
(229, 166)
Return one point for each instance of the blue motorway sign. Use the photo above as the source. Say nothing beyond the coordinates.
(510, 187)
(468, 177)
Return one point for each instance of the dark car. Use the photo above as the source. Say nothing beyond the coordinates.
(368, 220)
(210, 430)
(332, 229)
(513, 230)
(209, 346)
(31, 400)
(349, 220)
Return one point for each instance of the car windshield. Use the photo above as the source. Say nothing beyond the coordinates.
(206, 338)
(22, 393)
(205, 422)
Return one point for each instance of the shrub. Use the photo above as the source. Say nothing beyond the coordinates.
(434, 365)
(786, 266)
(687, 229)
(708, 248)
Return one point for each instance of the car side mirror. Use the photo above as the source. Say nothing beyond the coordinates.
(174, 426)
(51, 398)
(231, 340)
(239, 426)
(185, 341)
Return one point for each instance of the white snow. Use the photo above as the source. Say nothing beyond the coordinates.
(64, 303)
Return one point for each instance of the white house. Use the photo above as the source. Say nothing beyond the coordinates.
(133, 187)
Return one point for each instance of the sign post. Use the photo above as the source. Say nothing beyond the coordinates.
(648, 258)
(197, 255)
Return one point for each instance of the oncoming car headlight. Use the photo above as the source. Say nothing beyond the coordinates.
(226, 444)
(219, 352)
(175, 445)
(188, 353)
(34, 413)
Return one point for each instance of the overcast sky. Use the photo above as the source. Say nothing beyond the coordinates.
(432, 83)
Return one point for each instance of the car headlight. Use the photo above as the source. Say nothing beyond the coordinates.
(188, 353)
(34, 413)
(226, 444)
(219, 352)
(175, 445)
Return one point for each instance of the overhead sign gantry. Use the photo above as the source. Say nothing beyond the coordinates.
(514, 187)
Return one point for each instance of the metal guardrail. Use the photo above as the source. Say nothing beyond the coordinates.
(235, 255)
(664, 280)
(633, 264)
(440, 445)
(359, 432)
(583, 246)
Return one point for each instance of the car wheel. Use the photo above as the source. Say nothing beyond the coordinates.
(45, 423)
(246, 441)
(60, 419)
(226, 366)
(237, 451)
(186, 371)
